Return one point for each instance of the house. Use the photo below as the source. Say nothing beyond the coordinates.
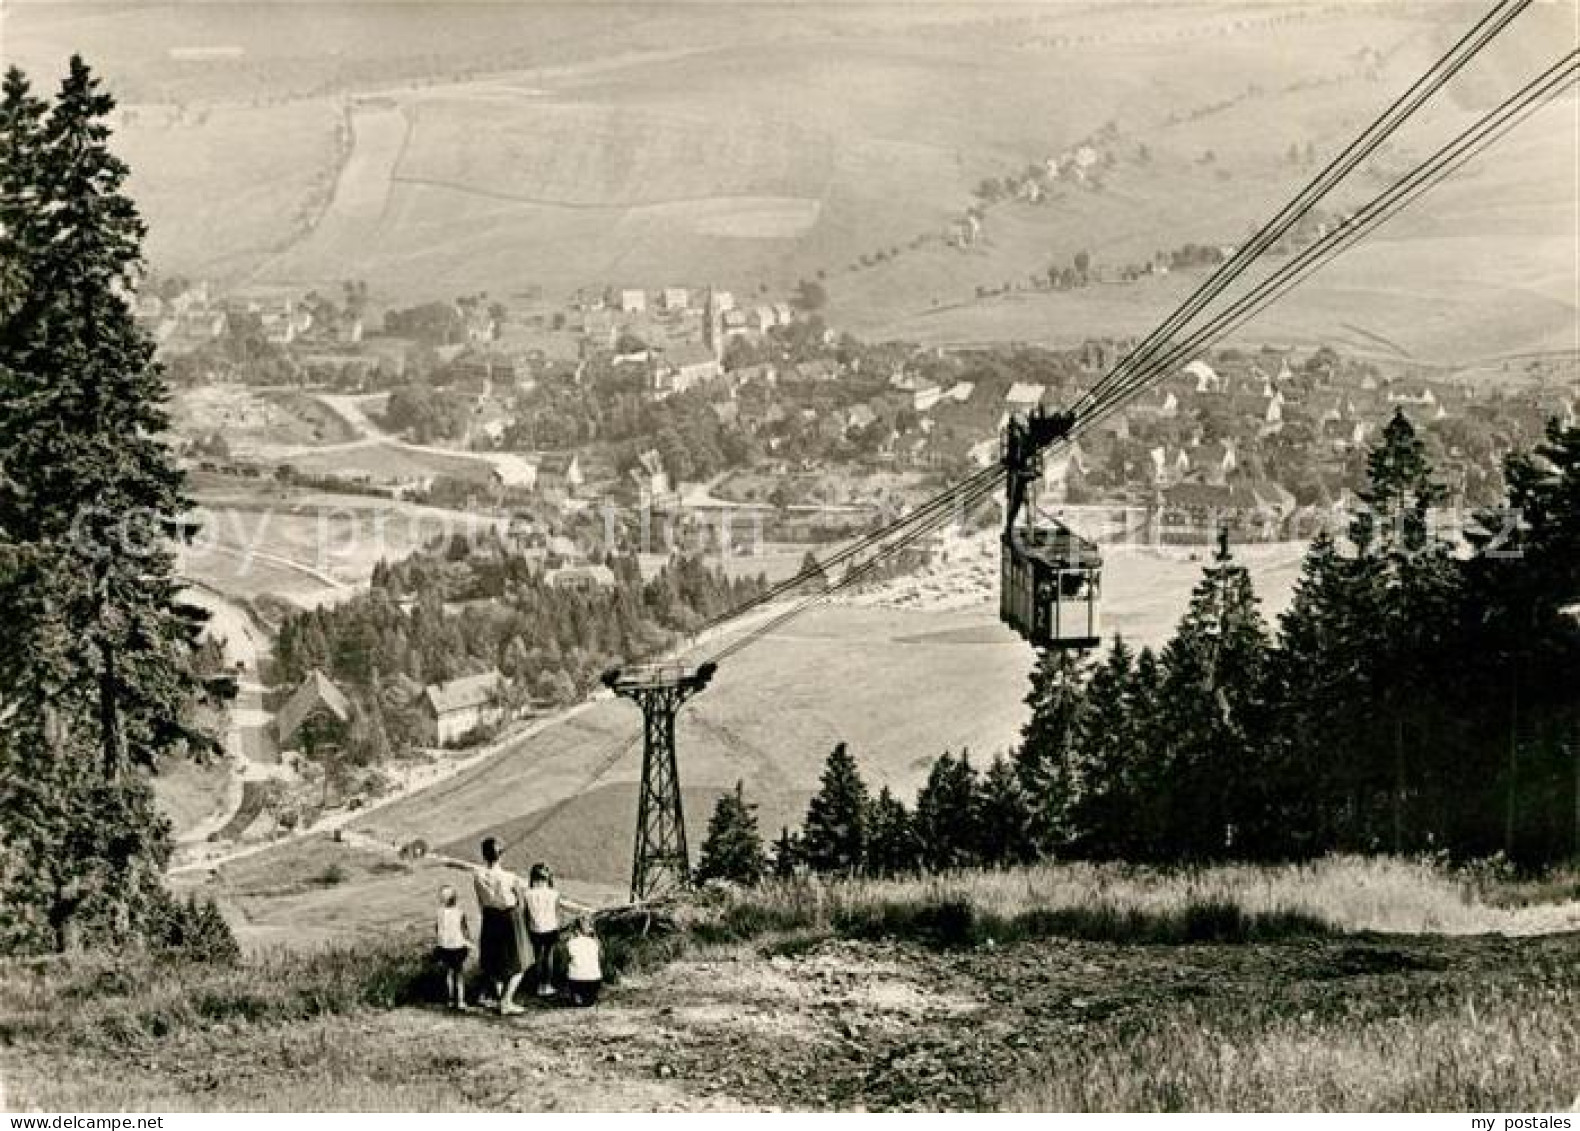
(317, 714)
(455, 709)
(1056, 472)
(560, 472)
(1206, 379)
(1215, 461)
(652, 481)
(1157, 404)
(759, 374)
(676, 299)
(1266, 411)
(1024, 395)
(1344, 434)
(926, 397)
(763, 319)
(1168, 468)
(1419, 396)
(512, 472)
(782, 314)
(724, 302)
(683, 367)
(582, 577)
(633, 302)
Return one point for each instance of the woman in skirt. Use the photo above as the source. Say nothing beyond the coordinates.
(502, 948)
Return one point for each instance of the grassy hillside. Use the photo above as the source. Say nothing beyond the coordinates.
(1066, 988)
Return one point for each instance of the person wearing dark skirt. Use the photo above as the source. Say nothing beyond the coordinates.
(502, 947)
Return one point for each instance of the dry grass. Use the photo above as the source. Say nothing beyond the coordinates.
(1501, 1049)
(1258, 1000)
(1340, 894)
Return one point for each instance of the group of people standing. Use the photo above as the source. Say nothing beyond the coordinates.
(520, 931)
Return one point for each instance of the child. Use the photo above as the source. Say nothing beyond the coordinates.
(584, 975)
(543, 924)
(453, 944)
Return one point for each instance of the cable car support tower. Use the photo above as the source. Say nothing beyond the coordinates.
(660, 863)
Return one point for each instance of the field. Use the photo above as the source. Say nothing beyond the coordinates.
(306, 546)
(224, 187)
(250, 420)
(1062, 988)
(647, 147)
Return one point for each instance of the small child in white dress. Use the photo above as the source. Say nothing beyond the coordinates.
(452, 945)
(584, 970)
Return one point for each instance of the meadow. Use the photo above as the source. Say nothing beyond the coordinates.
(1059, 987)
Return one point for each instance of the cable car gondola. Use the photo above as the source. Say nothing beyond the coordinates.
(1051, 581)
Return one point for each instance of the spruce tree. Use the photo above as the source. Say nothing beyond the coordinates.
(1211, 705)
(1056, 699)
(90, 498)
(1003, 816)
(1405, 585)
(1319, 680)
(786, 855)
(893, 847)
(946, 814)
(733, 849)
(1518, 659)
(1096, 809)
(834, 836)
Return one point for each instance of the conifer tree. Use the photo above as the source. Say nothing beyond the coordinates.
(1041, 760)
(893, 848)
(834, 836)
(1003, 817)
(1405, 585)
(101, 654)
(1095, 809)
(1517, 662)
(946, 814)
(786, 854)
(1214, 669)
(733, 849)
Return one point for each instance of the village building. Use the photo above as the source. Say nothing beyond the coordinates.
(684, 367)
(512, 472)
(316, 716)
(1024, 395)
(1215, 461)
(455, 709)
(560, 473)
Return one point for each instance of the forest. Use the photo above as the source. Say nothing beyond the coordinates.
(465, 605)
